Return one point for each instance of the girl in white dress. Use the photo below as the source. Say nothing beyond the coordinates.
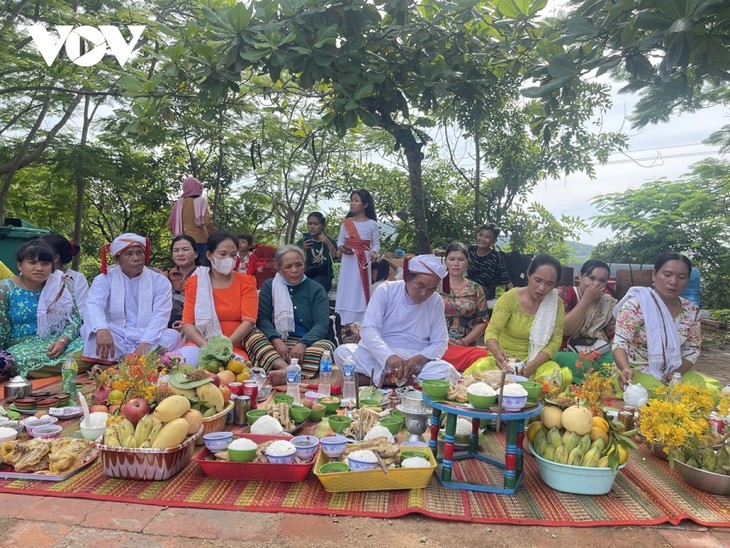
(358, 244)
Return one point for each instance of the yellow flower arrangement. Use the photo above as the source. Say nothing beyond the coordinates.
(133, 377)
(596, 386)
(677, 414)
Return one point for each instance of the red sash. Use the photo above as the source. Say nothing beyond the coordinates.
(359, 246)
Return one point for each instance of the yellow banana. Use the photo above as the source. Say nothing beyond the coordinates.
(154, 433)
(599, 445)
(561, 455)
(126, 429)
(591, 458)
(549, 453)
(130, 441)
(570, 440)
(602, 463)
(142, 432)
(576, 457)
(585, 443)
(554, 438)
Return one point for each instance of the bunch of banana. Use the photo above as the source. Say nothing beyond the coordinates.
(125, 434)
(565, 447)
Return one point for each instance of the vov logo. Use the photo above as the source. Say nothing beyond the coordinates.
(101, 38)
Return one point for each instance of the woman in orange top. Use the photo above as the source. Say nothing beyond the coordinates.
(218, 300)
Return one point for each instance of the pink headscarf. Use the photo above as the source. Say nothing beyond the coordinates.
(191, 188)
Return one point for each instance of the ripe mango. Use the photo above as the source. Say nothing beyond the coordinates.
(172, 434)
(532, 429)
(212, 397)
(187, 392)
(171, 408)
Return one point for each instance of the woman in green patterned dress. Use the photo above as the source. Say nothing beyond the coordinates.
(39, 320)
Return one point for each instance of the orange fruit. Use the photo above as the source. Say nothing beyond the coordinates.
(597, 432)
(236, 366)
(243, 376)
(600, 422)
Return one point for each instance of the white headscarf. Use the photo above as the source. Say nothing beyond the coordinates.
(427, 264)
(283, 307)
(126, 240)
(206, 317)
(55, 306)
(544, 324)
(664, 350)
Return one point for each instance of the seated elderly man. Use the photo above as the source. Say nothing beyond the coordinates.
(128, 308)
(403, 334)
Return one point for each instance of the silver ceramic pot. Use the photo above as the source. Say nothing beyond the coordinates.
(17, 387)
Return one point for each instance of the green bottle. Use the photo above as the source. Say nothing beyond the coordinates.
(69, 370)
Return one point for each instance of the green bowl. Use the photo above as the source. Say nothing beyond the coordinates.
(534, 389)
(435, 389)
(370, 403)
(330, 406)
(481, 402)
(254, 414)
(403, 455)
(241, 455)
(299, 413)
(317, 414)
(334, 467)
(393, 424)
(284, 398)
(338, 423)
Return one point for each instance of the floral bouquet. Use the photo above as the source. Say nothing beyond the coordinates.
(133, 377)
(677, 415)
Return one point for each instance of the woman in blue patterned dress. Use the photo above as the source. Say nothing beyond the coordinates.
(39, 321)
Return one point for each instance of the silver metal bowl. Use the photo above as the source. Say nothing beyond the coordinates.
(704, 480)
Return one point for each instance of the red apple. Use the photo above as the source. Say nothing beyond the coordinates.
(99, 408)
(135, 409)
(216, 378)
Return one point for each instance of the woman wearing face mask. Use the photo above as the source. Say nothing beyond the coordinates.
(218, 300)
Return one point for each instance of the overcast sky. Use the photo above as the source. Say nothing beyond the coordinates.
(665, 150)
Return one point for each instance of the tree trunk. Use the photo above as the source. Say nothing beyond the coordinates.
(81, 181)
(477, 179)
(415, 160)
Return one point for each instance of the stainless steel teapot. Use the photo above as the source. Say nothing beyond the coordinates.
(17, 387)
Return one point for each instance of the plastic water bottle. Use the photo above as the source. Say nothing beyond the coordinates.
(348, 383)
(325, 375)
(293, 379)
(676, 379)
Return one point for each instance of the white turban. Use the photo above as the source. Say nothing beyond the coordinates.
(124, 241)
(427, 264)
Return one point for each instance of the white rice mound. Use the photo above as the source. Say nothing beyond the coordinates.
(514, 390)
(7, 431)
(379, 431)
(364, 455)
(243, 444)
(463, 427)
(267, 425)
(415, 462)
(280, 448)
(481, 389)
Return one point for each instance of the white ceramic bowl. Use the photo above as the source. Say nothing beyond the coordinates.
(357, 465)
(9, 436)
(513, 403)
(91, 433)
(333, 446)
(46, 432)
(33, 422)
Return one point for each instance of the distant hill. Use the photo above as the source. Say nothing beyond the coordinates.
(579, 252)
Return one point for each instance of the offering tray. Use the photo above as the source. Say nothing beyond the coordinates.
(8, 472)
(513, 458)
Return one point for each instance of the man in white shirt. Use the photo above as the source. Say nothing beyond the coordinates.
(403, 334)
(128, 308)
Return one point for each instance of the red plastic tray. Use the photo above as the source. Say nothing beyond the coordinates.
(261, 471)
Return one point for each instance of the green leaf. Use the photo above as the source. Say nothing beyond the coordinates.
(561, 66)
(545, 89)
(581, 26)
(681, 25)
(239, 16)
